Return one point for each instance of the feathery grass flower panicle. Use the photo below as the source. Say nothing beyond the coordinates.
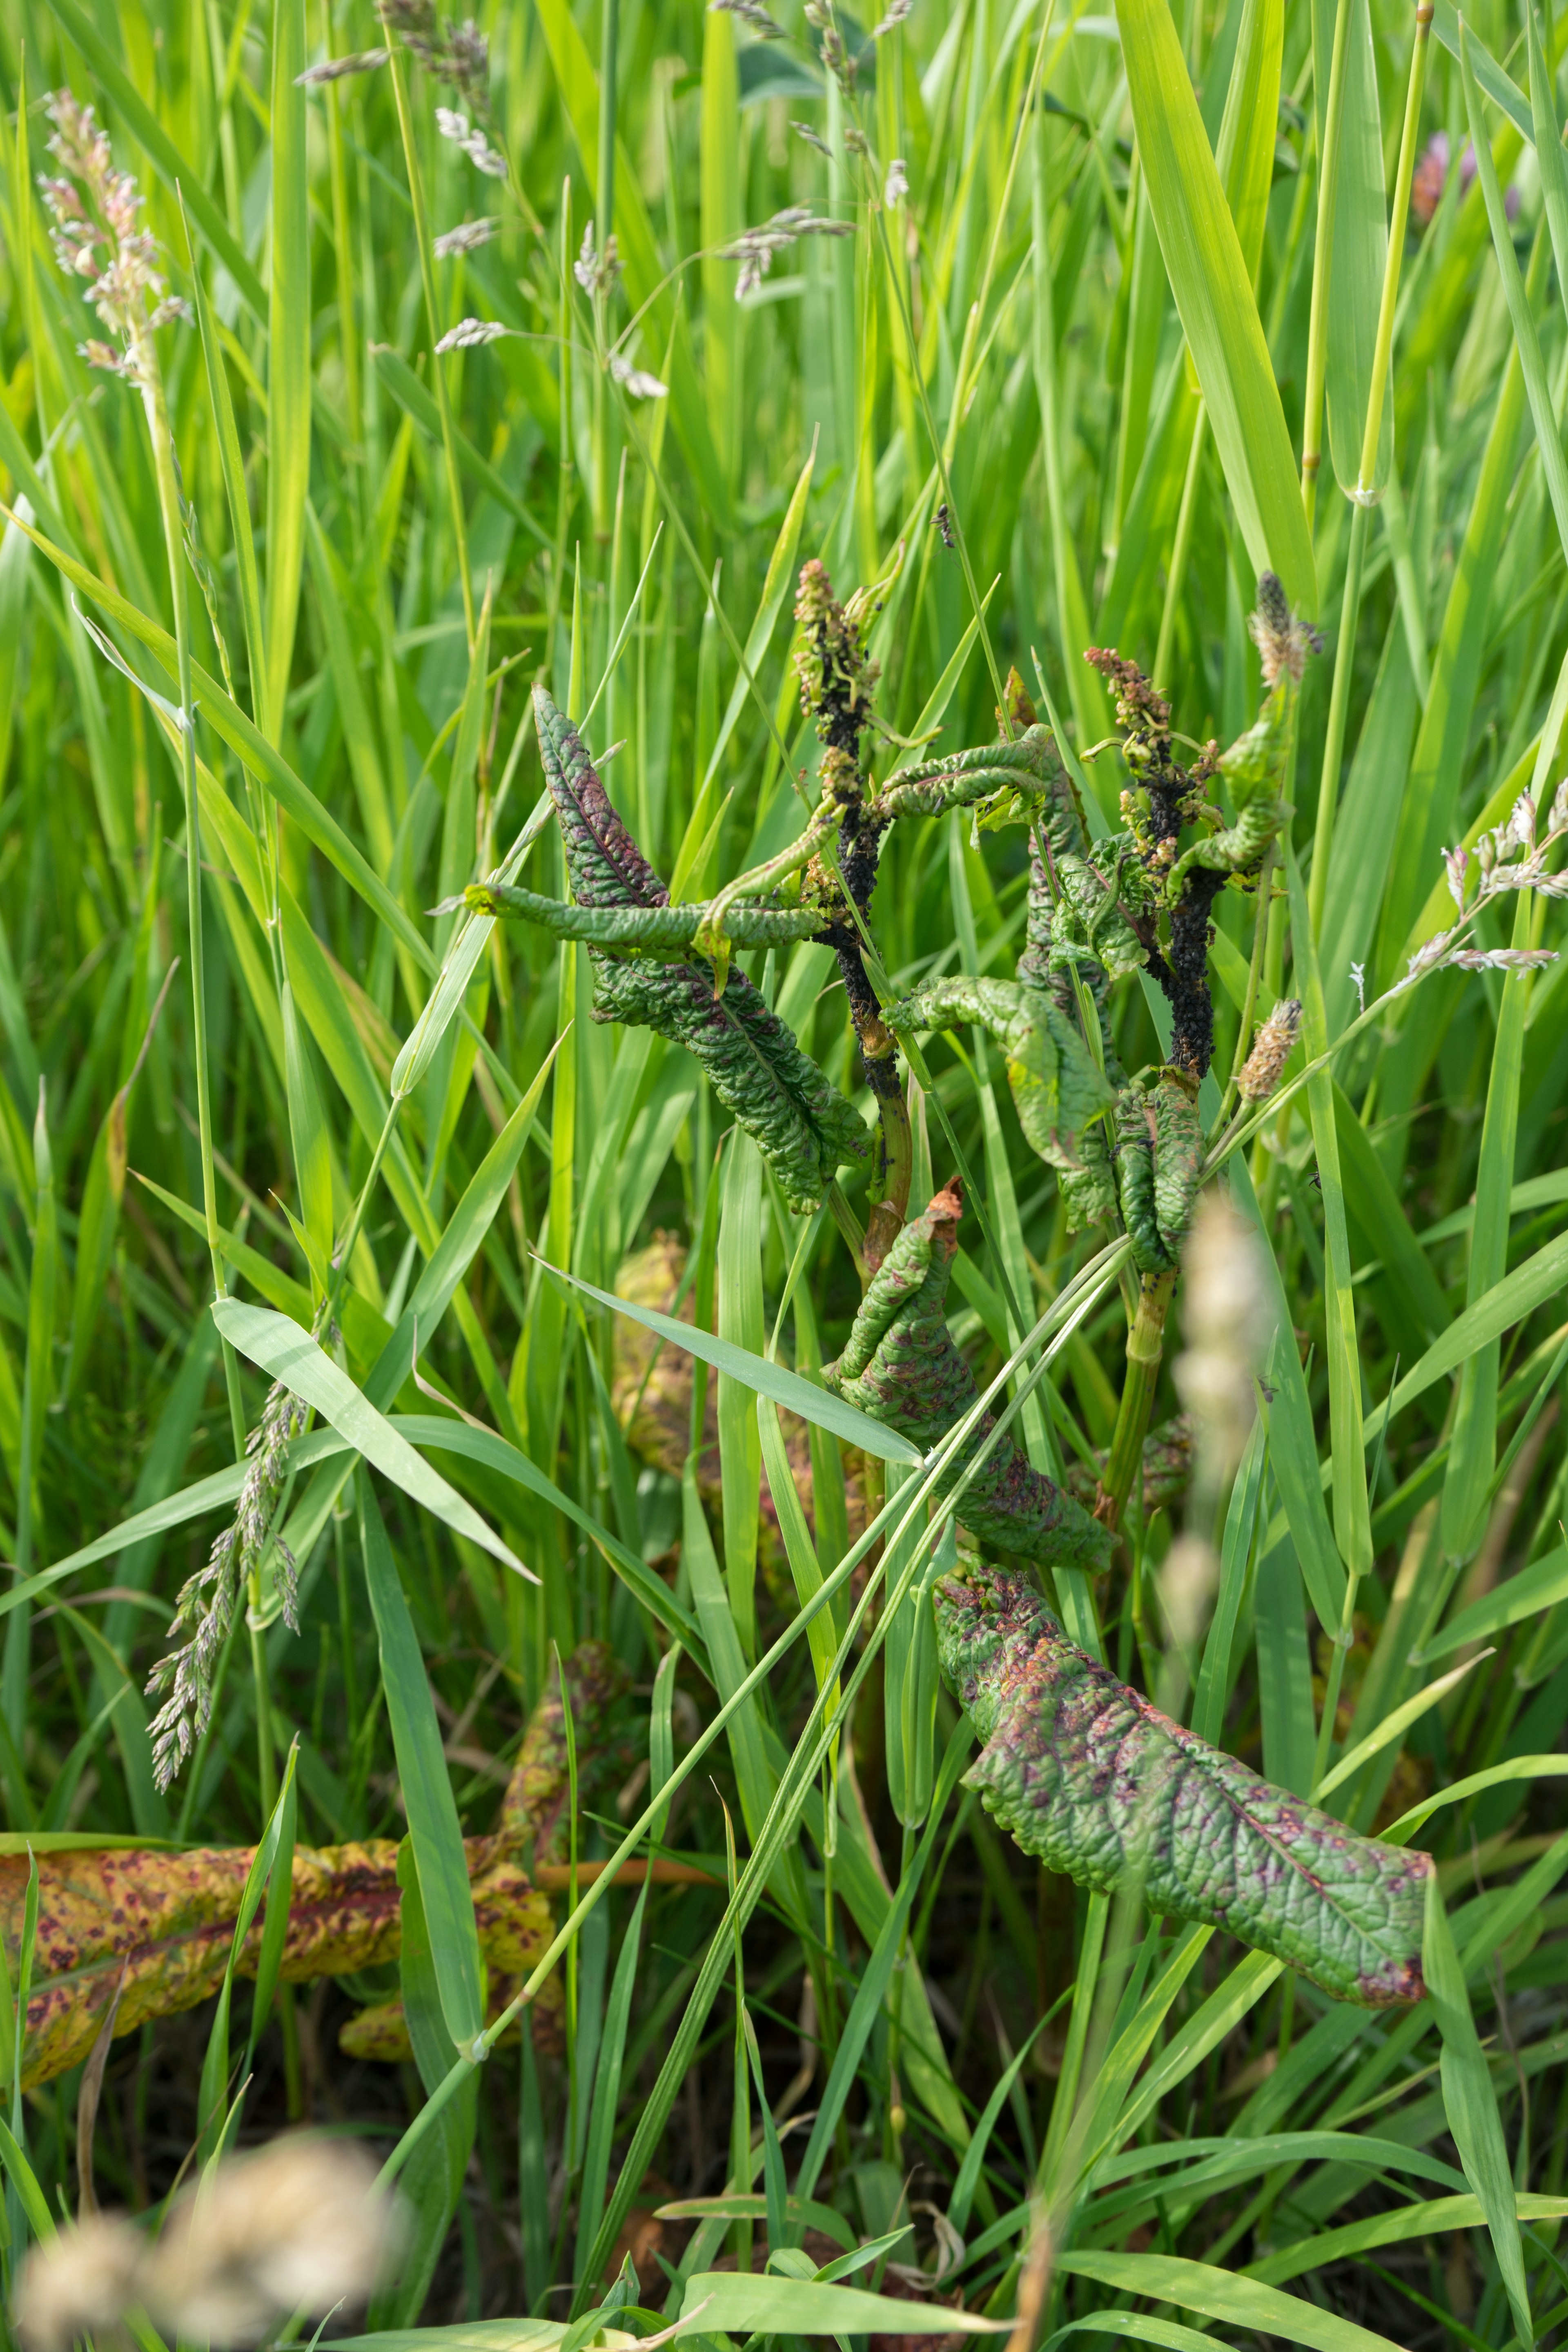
(836, 56)
(1228, 1322)
(638, 383)
(469, 333)
(754, 247)
(102, 241)
(895, 188)
(466, 237)
(205, 1607)
(1510, 857)
(456, 54)
(1272, 1046)
(298, 2226)
(339, 69)
(751, 13)
(599, 274)
(470, 138)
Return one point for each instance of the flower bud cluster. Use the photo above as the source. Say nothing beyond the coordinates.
(1510, 857)
(95, 229)
(457, 54)
(1264, 1066)
(471, 138)
(1283, 641)
(205, 1606)
(597, 273)
(754, 247)
(751, 13)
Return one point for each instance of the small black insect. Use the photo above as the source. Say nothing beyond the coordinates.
(944, 524)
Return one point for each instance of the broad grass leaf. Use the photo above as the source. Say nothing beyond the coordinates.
(1499, 86)
(475, 2335)
(1244, 151)
(1538, 1279)
(741, 2305)
(278, 1344)
(1236, 2302)
(1522, 1595)
(1209, 279)
(1392, 1727)
(1546, 134)
(1471, 2106)
(25, 2181)
(1356, 263)
(1141, 2326)
(1435, 2217)
(1513, 1769)
(767, 1380)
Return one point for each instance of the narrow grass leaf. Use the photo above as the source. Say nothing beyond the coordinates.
(434, 1831)
(1213, 295)
(278, 1344)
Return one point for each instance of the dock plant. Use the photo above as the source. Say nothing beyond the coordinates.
(781, 1247)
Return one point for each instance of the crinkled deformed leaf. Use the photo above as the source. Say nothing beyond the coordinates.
(606, 867)
(803, 1126)
(167, 1920)
(1159, 1166)
(1030, 764)
(1257, 767)
(647, 929)
(1096, 1782)
(901, 1367)
(1056, 1085)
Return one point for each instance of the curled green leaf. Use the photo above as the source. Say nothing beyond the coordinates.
(1159, 1166)
(1056, 1085)
(1088, 1776)
(803, 1126)
(901, 1367)
(1029, 763)
(648, 929)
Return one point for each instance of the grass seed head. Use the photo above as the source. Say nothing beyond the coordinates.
(1272, 1046)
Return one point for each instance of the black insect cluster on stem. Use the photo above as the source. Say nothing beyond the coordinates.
(1177, 797)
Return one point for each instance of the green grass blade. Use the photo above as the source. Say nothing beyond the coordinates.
(434, 1831)
(1214, 294)
(278, 1344)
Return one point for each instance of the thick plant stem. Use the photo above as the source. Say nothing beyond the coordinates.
(1145, 1348)
(1338, 708)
